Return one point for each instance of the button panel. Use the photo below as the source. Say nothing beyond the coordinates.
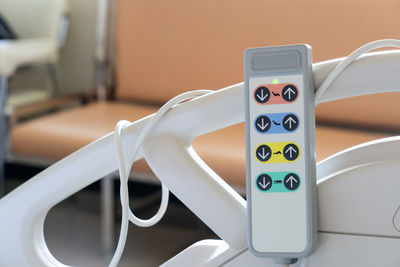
(284, 125)
(282, 93)
(277, 182)
(276, 123)
(282, 152)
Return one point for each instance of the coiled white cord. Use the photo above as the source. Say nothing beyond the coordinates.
(350, 59)
(125, 167)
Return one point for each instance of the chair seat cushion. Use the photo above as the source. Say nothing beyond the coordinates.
(58, 135)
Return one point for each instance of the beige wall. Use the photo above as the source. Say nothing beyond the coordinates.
(167, 47)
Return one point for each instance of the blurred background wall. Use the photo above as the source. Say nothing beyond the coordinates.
(76, 66)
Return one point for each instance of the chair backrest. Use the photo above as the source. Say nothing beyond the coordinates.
(167, 47)
(34, 18)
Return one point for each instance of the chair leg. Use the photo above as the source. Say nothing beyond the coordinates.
(3, 131)
(53, 78)
(107, 213)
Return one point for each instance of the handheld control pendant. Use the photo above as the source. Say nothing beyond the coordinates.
(280, 148)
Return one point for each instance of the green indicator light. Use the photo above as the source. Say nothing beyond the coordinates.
(275, 81)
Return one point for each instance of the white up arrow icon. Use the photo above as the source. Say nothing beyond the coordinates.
(289, 91)
(291, 179)
(290, 120)
(291, 150)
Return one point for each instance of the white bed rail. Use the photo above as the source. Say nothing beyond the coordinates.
(171, 157)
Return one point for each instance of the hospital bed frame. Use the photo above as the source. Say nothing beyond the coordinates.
(358, 189)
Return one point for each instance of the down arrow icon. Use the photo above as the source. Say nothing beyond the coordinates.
(264, 182)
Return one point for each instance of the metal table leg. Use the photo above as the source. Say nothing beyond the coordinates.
(3, 131)
(107, 213)
(52, 74)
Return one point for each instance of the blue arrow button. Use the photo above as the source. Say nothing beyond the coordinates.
(274, 123)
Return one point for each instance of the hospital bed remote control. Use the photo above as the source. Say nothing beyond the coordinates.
(280, 149)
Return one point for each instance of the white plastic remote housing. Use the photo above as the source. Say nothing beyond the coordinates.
(280, 148)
